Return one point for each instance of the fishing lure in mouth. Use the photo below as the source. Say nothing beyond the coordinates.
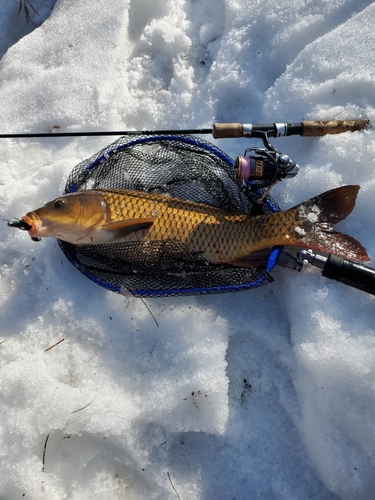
(24, 226)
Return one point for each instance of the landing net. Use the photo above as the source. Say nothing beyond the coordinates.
(181, 166)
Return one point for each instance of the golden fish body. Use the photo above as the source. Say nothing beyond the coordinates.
(105, 216)
(218, 236)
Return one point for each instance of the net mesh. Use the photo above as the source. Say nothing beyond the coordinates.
(181, 166)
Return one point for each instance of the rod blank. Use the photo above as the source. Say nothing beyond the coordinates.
(105, 132)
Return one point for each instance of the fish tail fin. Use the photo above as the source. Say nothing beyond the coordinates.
(315, 219)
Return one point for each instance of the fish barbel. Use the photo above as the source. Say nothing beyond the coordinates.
(107, 216)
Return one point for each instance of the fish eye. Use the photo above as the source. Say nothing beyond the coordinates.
(59, 203)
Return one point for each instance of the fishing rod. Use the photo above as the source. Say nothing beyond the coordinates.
(259, 167)
(223, 130)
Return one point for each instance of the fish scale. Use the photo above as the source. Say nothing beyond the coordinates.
(217, 235)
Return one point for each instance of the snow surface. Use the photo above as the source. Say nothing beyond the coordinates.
(265, 394)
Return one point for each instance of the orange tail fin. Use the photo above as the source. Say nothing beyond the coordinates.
(315, 220)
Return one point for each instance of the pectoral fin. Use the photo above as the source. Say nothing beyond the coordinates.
(123, 228)
(113, 231)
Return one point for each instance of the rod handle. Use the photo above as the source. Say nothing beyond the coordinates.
(226, 130)
(323, 127)
(350, 273)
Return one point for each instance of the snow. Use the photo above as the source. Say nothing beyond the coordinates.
(264, 394)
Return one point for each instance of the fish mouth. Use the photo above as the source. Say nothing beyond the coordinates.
(36, 225)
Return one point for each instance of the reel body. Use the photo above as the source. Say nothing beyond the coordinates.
(266, 166)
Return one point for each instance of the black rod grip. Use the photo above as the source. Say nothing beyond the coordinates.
(350, 273)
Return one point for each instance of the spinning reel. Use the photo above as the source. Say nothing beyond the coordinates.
(263, 167)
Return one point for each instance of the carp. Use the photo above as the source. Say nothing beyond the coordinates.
(104, 216)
